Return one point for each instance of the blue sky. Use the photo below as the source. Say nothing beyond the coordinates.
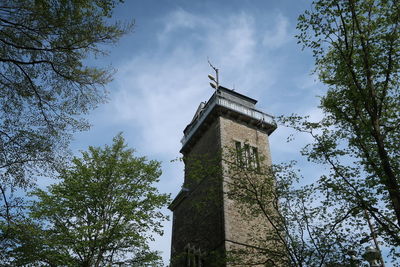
(162, 76)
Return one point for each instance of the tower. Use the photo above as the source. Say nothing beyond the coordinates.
(206, 223)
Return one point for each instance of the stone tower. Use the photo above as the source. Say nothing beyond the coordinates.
(206, 222)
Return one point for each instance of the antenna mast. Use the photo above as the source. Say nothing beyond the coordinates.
(215, 81)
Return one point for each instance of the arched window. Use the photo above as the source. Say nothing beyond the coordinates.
(194, 256)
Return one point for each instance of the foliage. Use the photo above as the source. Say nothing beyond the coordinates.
(45, 86)
(193, 239)
(357, 51)
(290, 225)
(101, 213)
(285, 223)
(356, 47)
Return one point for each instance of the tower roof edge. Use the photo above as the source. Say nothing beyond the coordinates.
(227, 101)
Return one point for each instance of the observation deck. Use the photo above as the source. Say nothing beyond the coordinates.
(228, 103)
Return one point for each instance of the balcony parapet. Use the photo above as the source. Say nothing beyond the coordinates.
(219, 100)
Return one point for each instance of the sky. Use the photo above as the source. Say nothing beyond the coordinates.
(161, 77)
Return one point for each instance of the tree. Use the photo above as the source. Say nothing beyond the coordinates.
(293, 225)
(284, 224)
(45, 87)
(101, 213)
(356, 47)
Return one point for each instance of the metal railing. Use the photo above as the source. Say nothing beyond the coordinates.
(224, 102)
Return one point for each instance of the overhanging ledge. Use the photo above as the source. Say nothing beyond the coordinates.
(226, 101)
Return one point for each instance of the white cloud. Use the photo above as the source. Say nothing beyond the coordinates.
(279, 35)
(234, 42)
(179, 20)
(157, 100)
(158, 93)
(315, 114)
(230, 39)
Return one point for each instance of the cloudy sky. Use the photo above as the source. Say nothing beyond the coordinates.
(162, 76)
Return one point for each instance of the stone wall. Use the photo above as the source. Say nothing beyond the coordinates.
(238, 228)
(206, 220)
(198, 219)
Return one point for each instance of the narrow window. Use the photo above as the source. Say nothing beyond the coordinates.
(188, 257)
(247, 155)
(254, 158)
(239, 157)
(194, 257)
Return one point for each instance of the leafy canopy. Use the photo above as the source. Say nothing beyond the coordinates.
(45, 86)
(101, 212)
(356, 47)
